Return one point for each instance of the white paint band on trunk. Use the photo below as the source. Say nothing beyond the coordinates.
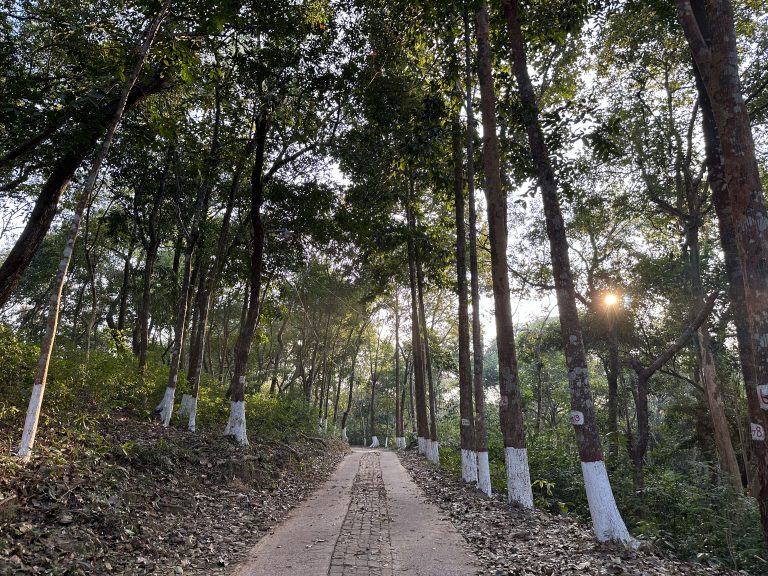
(30, 423)
(236, 424)
(344, 434)
(191, 423)
(374, 442)
(428, 448)
(468, 465)
(483, 473)
(166, 406)
(518, 477)
(606, 520)
(184, 405)
(422, 445)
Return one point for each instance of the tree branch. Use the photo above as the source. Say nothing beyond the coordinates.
(682, 340)
(695, 38)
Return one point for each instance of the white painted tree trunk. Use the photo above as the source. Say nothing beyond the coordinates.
(374, 442)
(421, 445)
(434, 450)
(468, 465)
(188, 407)
(325, 425)
(518, 477)
(386, 441)
(344, 434)
(401, 442)
(606, 520)
(165, 408)
(236, 424)
(483, 474)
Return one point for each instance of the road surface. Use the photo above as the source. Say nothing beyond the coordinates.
(368, 519)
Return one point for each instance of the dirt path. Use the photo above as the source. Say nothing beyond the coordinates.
(368, 519)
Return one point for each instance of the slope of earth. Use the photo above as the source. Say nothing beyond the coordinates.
(512, 541)
(134, 498)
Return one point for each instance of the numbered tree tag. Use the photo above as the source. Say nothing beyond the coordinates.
(465, 421)
(577, 418)
(758, 432)
(762, 394)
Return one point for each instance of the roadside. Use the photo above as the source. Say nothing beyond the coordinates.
(516, 542)
(131, 497)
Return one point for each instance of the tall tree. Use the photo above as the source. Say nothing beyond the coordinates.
(739, 203)
(466, 415)
(481, 430)
(510, 406)
(46, 349)
(606, 519)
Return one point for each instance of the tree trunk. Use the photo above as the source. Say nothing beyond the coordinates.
(606, 520)
(399, 439)
(725, 452)
(374, 437)
(481, 430)
(739, 204)
(422, 426)
(236, 426)
(151, 248)
(46, 348)
(276, 360)
(510, 406)
(194, 237)
(468, 455)
(612, 376)
(433, 446)
(351, 385)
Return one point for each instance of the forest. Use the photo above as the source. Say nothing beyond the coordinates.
(526, 239)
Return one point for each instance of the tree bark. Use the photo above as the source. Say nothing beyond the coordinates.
(151, 247)
(236, 426)
(510, 404)
(398, 412)
(433, 451)
(467, 423)
(193, 237)
(481, 429)
(345, 415)
(422, 426)
(739, 204)
(606, 520)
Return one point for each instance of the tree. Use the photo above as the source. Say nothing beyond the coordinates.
(510, 408)
(46, 349)
(739, 203)
(606, 520)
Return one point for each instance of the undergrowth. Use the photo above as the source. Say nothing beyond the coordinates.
(690, 514)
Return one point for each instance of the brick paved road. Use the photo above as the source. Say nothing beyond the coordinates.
(364, 547)
(368, 519)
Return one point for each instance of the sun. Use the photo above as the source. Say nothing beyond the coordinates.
(611, 299)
